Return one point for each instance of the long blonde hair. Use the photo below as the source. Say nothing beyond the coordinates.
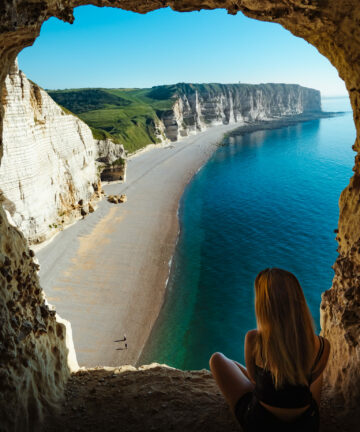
(285, 342)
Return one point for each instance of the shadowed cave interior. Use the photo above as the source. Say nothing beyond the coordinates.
(37, 377)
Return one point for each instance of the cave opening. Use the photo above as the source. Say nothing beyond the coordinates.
(96, 104)
(345, 268)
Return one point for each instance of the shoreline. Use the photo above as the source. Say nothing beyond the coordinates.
(108, 273)
(245, 128)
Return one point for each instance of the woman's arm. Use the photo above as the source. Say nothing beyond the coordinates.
(249, 357)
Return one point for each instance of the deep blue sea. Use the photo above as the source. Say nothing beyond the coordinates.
(268, 198)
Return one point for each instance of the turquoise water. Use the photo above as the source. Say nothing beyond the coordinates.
(268, 198)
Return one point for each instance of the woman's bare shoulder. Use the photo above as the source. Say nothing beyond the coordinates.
(250, 338)
(326, 343)
(251, 335)
(326, 347)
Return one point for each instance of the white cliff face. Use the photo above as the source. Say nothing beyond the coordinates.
(108, 152)
(48, 173)
(199, 106)
(111, 158)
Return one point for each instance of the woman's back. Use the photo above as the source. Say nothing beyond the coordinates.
(288, 396)
(290, 400)
(280, 387)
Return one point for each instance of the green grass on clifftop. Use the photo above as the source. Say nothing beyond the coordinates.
(131, 116)
(128, 116)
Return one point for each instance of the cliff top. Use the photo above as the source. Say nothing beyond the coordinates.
(131, 116)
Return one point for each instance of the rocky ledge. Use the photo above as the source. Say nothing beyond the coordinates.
(150, 398)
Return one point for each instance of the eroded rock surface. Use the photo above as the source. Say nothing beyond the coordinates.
(117, 199)
(33, 353)
(48, 164)
(112, 160)
(199, 106)
(151, 398)
(332, 26)
(49, 172)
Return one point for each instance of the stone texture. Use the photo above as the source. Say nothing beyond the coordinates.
(112, 160)
(49, 172)
(117, 199)
(151, 398)
(332, 26)
(33, 353)
(48, 164)
(199, 106)
(109, 152)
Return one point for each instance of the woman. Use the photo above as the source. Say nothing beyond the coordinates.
(281, 384)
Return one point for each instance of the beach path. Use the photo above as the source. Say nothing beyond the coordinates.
(107, 273)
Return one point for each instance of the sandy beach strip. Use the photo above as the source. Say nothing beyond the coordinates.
(107, 273)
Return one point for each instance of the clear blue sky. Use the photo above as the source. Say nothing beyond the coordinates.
(108, 47)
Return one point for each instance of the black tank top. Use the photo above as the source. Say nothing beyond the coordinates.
(289, 395)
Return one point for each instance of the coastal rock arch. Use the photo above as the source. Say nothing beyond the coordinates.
(33, 346)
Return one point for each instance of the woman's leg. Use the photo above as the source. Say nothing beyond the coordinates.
(243, 369)
(232, 382)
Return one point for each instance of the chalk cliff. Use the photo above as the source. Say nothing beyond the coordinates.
(138, 117)
(199, 106)
(49, 175)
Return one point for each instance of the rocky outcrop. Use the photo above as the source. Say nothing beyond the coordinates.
(340, 309)
(153, 397)
(111, 160)
(109, 152)
(34, 361)
(117, 199)
(48, 173)
(332, 26)
(199, 106)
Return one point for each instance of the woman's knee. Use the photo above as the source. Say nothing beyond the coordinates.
(216, 360)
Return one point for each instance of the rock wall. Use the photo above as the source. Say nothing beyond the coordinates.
(332, 26)
(199, 106)
(48, 174)
(340, 310)
(33, 352)
(111, 160)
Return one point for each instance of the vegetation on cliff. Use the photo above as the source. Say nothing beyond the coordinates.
(135, 117)
(129, 116)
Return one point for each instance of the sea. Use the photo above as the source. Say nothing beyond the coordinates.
(264, 199)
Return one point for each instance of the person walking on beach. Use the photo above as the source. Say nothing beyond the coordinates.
(121, 340)
(280, 387)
